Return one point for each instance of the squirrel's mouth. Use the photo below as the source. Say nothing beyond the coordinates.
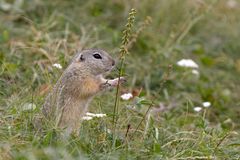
(109, 69)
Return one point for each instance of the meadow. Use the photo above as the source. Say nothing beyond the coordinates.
(178, 111)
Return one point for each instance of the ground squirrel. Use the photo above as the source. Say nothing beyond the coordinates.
(82, 79)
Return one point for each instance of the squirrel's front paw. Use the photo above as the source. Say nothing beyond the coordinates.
(122, 79)
(114, 82)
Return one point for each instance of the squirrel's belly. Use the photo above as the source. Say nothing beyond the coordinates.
(72, 113)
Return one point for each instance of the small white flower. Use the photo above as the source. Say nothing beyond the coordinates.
(232, 4)
(10, 129)
(187, 63)
(57, 65)
(126, 96)
(109, 131)
(28, 106)
(87, 118)
(194, 71)
(90, 114)
(197, 109)
(5, 6)
(206, 104)
(99, 115)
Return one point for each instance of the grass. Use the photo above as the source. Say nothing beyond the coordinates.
(160, 122)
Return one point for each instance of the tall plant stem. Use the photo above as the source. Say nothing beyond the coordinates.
(123, 52)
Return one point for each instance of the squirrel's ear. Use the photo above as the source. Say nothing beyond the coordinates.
(81, 58)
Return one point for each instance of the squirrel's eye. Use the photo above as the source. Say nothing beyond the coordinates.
(97, 56)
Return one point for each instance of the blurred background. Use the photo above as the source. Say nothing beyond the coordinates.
(36, 34)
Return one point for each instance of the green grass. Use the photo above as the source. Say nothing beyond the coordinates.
(36, 34)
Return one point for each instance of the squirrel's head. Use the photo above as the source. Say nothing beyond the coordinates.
(94, 61)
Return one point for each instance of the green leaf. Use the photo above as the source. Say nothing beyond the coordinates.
(207, 61)
(157, 148)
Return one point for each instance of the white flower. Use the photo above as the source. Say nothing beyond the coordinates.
(194, 71)
(57, 65)
(232, 4)
(90, 116)
(5, 6)
(109, 131)
(197, 109)
(87, 118)
(100, 115)
(206, 104)
(28, 106)
(96, 115)
(126, 96)
(187, 63)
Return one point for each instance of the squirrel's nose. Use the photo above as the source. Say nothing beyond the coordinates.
(113, 63)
